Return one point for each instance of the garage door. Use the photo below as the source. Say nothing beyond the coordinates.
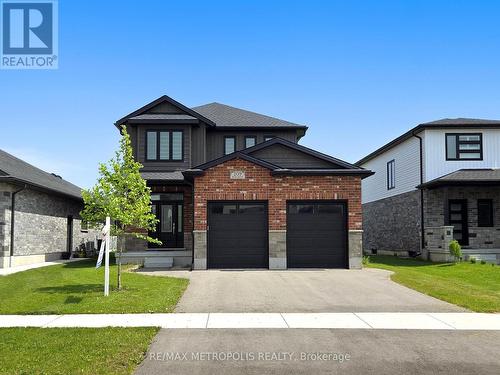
(316, 234)
(237, 235)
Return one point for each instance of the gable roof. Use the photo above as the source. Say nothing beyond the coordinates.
(18, 171)
(157, 102)
(445, 123)
(231, 117)
(337, 166)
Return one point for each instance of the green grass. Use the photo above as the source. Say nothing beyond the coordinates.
(73, 350)
(473, 286)
(77, 287)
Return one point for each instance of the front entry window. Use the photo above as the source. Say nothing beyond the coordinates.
(166, 218)
(169, 211)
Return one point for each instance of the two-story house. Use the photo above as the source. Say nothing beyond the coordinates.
(437, 182)
(234, 189)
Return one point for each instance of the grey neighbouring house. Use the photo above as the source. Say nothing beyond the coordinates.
(234, 189)
(45, 223)
(437, 182)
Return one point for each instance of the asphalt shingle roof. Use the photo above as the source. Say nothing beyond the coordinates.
(163, 176)
(466, 176)
(462, 121)
(227, 116)
(18, 170)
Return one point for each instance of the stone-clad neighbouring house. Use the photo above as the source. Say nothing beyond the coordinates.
(46, 210)
(438, 181)
(233, 188)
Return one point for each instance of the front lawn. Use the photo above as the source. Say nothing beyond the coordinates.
(73, 350)
(473, 286)
(77, 287)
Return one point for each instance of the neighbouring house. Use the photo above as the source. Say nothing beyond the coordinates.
(437, 182)
(234, 189)
(39, 214)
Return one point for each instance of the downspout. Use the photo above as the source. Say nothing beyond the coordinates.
(422, 229)
(12, 222)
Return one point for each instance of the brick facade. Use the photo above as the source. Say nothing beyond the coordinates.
(259, 184)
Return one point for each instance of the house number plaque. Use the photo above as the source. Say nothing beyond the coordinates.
(237, 175)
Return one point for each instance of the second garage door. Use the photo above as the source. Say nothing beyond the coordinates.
(238, 234)
(316, 234)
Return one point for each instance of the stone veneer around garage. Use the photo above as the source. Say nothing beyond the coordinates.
(259, 184)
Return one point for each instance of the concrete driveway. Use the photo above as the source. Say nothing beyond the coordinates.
(367, 290)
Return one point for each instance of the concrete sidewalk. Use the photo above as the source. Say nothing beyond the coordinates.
(363, 320)
(16, 269)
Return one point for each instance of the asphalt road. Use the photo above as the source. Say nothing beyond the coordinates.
(322, 351)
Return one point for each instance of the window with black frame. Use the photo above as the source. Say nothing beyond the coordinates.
(164, 145)
(464, 146)
(484, 212)
(391, 174)
(229, 145)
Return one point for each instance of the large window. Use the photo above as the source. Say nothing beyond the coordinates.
(164, 145)
(229, 145)
(465, 146)
(484, 213)
(391, 174)
(250, 140)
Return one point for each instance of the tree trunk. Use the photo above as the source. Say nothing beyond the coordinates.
(119, 273)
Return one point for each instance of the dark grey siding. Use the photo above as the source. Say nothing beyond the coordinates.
(287, 157)
(167, 165)
(165, 107)
(132, 131)
(215, 139)
(198, 144)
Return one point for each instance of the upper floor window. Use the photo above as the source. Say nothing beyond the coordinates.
(268, 138)
(391, 174)
(250, 140)
(229, 144)
(465, 146)
(164, 145)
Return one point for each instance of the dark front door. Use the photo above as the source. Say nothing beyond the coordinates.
(316, 233)
(457, 217)
(238, 235)
(169, 229)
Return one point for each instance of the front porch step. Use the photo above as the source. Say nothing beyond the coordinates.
(158, 262)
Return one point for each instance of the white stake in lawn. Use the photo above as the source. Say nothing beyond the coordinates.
(104, 250)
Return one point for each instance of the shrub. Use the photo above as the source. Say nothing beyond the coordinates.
(472, 260)
(366, 260)
(455, 250)
(483, 262)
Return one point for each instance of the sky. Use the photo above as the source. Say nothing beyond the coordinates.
(358, 73)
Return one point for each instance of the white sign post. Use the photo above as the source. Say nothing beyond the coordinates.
(104, 251)
(106, 257)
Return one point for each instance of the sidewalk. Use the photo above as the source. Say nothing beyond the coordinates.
(16, 269)
(404, 321)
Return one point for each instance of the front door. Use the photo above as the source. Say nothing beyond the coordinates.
(457, 217)
(170, 228)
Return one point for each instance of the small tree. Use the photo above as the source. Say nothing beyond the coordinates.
(121, 193)
(455, 250)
